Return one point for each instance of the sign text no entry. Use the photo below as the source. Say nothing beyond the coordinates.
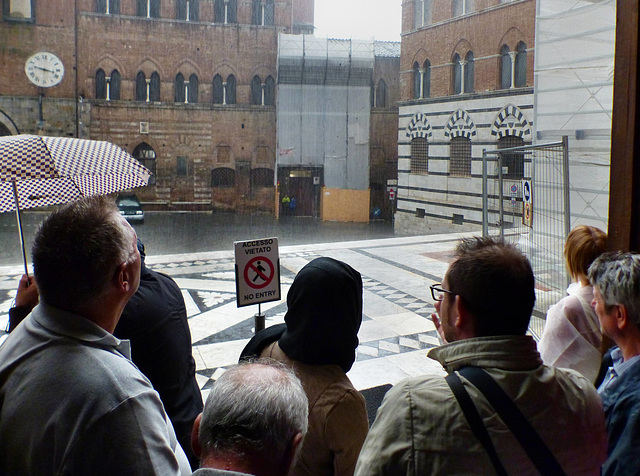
(257, 271)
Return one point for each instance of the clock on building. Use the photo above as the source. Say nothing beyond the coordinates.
(44, 69)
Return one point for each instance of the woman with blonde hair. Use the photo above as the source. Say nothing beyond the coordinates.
(572, 337)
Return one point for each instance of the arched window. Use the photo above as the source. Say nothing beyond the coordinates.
(263, 12)
(269, 13)
(256, 17)
(269, 91)
(154, 87)
(219, 12)
(462, 7)
(192, 90)
(457, 74)
(225, 11)
(419, 156)
(4, 130)
(188, 10)
(231, 90)
(505, 67)
(426, 80)
(469, 73)
(141, 87)
(147, 157)
(421, 13)
(460, 157)
(148, 8)
(256, 91)
(218, 93)
(381, 94)
(101, 84)
(223, 177)
(179, 95)
(513, 161)
(422, 80)
(521, 65)
(232, 11)
(109, 7)
(417, 80)
(261, 178)
(114, 85)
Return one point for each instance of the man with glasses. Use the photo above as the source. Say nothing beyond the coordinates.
(71, 401)
(483, 309)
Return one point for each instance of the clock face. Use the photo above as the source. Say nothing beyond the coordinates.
(44, 69)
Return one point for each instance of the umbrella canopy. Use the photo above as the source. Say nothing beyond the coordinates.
(36, 171)
(53, 170)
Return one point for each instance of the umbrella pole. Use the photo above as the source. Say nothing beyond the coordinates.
(24, 254)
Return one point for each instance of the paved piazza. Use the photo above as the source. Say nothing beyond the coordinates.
(396, 330)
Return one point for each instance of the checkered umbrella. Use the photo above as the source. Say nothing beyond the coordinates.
(36, 171)
(52, 170)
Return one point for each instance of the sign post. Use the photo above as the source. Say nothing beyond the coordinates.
(257, 274)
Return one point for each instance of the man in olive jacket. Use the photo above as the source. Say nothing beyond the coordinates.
(484, 305)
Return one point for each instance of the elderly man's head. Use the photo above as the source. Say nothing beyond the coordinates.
(78, 250)
(256, 416)
(616, 281)
(493, 283)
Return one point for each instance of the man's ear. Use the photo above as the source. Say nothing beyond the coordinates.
(124, 277)
(463, 320)
(292, 453)
(195, 441)
(621, 315)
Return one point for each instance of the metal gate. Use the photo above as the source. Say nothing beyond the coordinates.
(526, 201)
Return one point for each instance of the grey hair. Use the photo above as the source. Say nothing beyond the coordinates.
(254, 410)
(77, 250)
(617, 277)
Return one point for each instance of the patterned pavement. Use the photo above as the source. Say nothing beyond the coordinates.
(396, 331)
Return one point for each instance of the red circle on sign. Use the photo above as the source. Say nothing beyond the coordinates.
(259, 273)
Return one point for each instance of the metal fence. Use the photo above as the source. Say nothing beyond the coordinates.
(526, 201)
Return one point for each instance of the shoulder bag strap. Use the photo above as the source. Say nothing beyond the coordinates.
(475, 421)
(528, 438)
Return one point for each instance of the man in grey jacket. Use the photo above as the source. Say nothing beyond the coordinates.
(71, 400)
(484, 305)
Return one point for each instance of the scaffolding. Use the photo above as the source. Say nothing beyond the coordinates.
(324, 107)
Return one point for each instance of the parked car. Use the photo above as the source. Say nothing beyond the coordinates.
(130, 208)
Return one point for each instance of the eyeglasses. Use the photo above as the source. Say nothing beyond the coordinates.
(437, 293)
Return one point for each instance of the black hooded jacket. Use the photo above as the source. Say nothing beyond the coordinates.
(323, 317)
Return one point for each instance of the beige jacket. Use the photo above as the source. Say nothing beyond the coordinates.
(421, 430)
(338, 422)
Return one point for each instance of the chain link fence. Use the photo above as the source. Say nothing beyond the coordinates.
(526, 202)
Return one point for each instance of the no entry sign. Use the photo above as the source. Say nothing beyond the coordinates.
(257, 271)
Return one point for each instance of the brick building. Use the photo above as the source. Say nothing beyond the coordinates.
(466, 85)
(187, 86)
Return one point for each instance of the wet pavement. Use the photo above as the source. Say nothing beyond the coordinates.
(396, 330)
(191, 232)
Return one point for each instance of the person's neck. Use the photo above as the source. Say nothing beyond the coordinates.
(629, 348)
(227, 463)
(629, 342)
(102, 312)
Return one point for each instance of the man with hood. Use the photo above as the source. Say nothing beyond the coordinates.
(318, 340)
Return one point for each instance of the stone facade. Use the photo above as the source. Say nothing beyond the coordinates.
(466, 82)
(205, 151)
